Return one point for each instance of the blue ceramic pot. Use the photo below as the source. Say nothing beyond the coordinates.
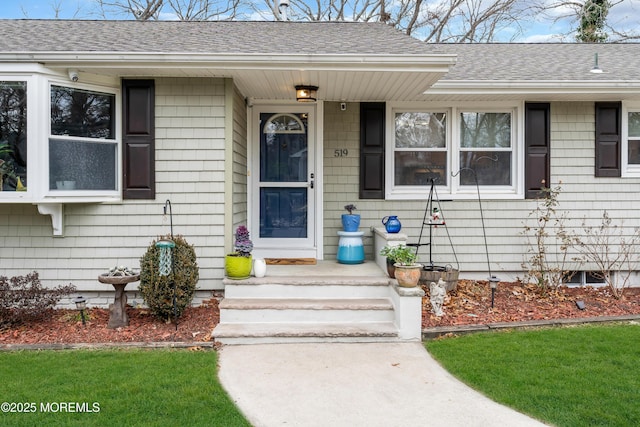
(350, 222)
(391, 224)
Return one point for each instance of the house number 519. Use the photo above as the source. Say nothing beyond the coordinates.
(341, 152)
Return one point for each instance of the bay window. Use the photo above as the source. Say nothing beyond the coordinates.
(454, 147)
(13, 135)
(71, 133)
(82, 142)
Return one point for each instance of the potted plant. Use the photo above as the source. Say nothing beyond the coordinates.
(389, 252)
(407, 271)
(238, 263)
(350, 221)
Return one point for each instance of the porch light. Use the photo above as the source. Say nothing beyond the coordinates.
(306, 93)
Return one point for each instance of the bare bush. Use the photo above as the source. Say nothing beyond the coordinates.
(612, 249)
(548, 243)
(23, 299)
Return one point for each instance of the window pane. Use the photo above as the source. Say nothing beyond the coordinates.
(13, 135)
(82, 113)
(485, 130)
(634, 124)
(79, 165)
(634, 152)
(421, 130)
(283, 150)
(491, 167)
(283, 212)
(420, 167)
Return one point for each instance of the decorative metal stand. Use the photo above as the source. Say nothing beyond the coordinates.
(433, 218)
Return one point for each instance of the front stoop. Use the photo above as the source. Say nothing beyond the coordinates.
(298, 309)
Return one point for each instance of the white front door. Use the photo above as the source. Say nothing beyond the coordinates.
(283, 186)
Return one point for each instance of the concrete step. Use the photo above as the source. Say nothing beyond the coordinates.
(263, 333)
(305, 310)
(323, 287)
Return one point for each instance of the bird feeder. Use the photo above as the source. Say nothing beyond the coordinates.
(165, 246)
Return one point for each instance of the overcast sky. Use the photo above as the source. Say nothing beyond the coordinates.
(623, 15)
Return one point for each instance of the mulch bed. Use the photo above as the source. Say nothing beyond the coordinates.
(65, 326)
(469, 304)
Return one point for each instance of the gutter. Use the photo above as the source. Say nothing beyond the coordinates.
(426, 63)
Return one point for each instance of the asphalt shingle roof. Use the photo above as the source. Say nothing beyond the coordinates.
(242, 37)
(476, 62)
(543, 61)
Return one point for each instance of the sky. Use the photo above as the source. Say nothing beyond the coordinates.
(623, 15)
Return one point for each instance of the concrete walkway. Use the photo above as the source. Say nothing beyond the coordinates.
(336, 384)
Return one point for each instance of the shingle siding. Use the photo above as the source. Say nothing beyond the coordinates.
(572, 158)
(190, 172)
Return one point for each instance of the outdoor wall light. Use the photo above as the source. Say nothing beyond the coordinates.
(81, 304)
(306, 93)
(73, 75)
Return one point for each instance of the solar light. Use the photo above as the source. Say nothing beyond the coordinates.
(81, 304)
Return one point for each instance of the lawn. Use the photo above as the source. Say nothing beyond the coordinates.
(578, 376)
(114, 387)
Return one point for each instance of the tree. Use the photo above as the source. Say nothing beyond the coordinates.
(592, 21)
(432, 21)
(588, 19)
(182, 10)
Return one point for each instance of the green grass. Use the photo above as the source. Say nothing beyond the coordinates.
(131, 388)
(580, 376)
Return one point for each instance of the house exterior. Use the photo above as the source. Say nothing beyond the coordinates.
(106, 120)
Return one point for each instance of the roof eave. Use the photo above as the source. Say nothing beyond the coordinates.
(561, 90)
(426, 62)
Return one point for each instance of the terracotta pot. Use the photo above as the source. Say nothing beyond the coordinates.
(237, 267)
(408, 275)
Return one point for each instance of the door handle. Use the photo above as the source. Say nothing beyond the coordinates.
(311, 181)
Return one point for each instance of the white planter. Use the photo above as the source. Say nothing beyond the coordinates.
(259, 267)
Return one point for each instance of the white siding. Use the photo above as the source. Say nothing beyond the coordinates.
(190, 119)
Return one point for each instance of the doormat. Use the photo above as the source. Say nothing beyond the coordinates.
(290, 261)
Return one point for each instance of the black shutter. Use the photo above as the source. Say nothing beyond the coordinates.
(372, 150)
(608, 138)
(537, 142)
(138, 139)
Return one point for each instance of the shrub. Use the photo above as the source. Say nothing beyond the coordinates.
(23, 299)
(548, 243)
(157, 290)
(611, 248)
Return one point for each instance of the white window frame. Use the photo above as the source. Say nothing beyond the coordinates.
(32, 117)
(628, 170)
(85, 195)
(453, 189)
(39, 81)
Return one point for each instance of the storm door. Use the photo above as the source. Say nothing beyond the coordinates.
(283, 194)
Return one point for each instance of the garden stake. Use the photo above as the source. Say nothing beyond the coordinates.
(493, 280)
(166, 259)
